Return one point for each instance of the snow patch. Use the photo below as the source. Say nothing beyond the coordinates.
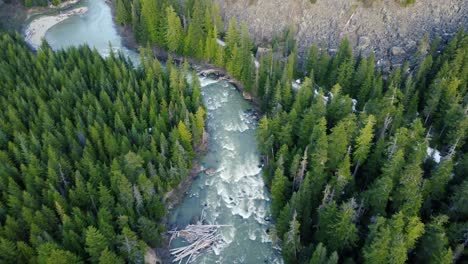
(354, 104)
(434, 154)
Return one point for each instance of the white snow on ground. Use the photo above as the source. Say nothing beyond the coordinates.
(434, 154)
(354, 104)
(221, 43)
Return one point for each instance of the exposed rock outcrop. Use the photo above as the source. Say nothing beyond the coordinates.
(387, 28)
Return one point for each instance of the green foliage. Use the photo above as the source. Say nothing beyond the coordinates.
(122, 14)
(395, 186)
(193, 29)
(279, 192)
(95, 243)
(85, 164)
(335, 226)
(390, 240)
(406, 2)
(434, 244)
(320, 256)
(174, 35)
(102, 160)
(292, 243)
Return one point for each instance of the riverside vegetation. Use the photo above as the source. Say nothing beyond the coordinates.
(351, 180)
(88, 148)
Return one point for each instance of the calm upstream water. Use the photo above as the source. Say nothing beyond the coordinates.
(235, 194)
(95, 28)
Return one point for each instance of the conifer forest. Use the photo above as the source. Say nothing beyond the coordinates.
(361, 164)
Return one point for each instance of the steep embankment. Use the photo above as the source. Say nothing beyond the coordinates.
(388, 29)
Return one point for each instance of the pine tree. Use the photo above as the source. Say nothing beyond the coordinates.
(441, 176)
(336, 227)
(378, 247)
(8, 250)
(232, 38)
(363, 142)
(109, 257)
(122, 16)
(390, 239)
(96, 243)
(320, 256)
(149, 16)
(312, 60)
(291, 240)
(279, 192)
(434, 247)
(130, 247)
(339, 141)
(185, 136)
(174, 34)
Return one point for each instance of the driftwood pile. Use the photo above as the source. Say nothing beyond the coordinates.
(200, 238)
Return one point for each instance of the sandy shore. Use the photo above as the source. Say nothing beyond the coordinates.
(38, 27)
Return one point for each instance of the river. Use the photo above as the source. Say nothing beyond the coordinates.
(235, 194)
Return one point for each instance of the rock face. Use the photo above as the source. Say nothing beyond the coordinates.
(388, 29)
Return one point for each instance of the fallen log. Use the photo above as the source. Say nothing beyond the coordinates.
(200, 238)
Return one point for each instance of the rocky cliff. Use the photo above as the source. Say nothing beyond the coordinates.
(387, 28)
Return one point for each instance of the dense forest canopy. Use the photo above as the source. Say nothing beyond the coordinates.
(363, 166)
(352, 180)
(88, 148)
(346, 150)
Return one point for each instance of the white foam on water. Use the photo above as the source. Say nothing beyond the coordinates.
(213, 105)
(236, 127)
(244, 209)
(252, 235)
(215, 102)
(260, 214)
(245, 118)
(204, 81)
(265, 237)
(229, 146)
(228, 234)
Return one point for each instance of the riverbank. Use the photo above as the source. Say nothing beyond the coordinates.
(14, 15)
(175, 197)
(203, 68)
(38, 28)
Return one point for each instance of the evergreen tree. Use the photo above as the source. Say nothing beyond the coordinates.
(279, 192)
(320, 256)
(292, 241)
(363, 142)
(149, 17)
(434, 244)
(96, 243)
(336, 228)
(123, 15)
(174, 34)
